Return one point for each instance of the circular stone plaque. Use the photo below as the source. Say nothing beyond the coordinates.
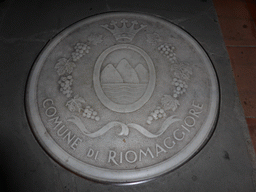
(122, 97)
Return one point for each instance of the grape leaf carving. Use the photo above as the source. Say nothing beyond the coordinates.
(75, 104)
(95, 39)
(64, 65)
(169, 102)
(182, 71)
(153, 38)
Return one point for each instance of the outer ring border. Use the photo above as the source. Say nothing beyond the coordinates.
(117, 176)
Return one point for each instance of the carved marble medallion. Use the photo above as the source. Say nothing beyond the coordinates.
(122, 97)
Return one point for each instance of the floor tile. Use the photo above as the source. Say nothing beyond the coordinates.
(238, 31)
(243, 62)
(251, 122)
(236, 9)
(236, 22)
(251, 4)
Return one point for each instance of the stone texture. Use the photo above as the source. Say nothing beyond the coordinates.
(222, 165)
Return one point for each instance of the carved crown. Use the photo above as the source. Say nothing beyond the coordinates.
(124, 33)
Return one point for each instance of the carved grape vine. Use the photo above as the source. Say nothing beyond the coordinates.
(181, 77)
(64, 68)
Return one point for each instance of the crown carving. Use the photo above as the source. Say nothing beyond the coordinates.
(124, 33)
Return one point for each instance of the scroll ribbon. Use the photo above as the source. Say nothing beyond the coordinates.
(125, 128)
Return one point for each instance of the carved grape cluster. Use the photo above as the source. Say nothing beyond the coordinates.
(80, 50)
(180, 87)
(65, 83)
(158, 113)
(90, 113)
(168, 51)
(64, 68)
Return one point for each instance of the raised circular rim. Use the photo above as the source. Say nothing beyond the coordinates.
(101, 95)
(108, 175)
